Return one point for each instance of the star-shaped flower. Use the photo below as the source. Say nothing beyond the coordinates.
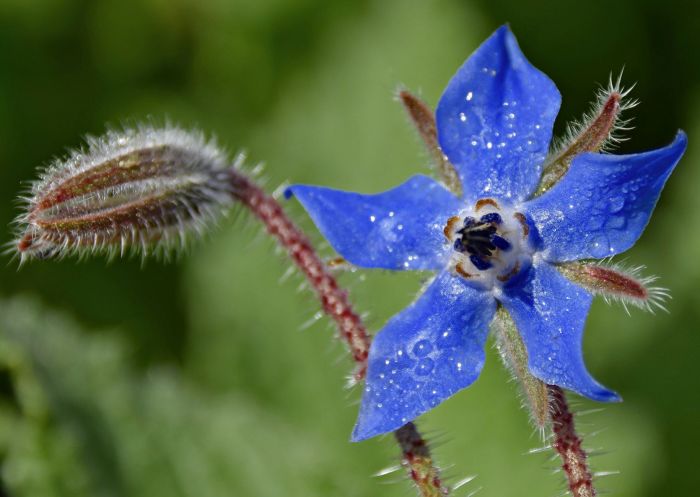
(498, 243)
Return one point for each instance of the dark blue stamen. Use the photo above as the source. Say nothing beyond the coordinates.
(500, 242)
(480, 240)
(469, 222)
(480, 263)
(491, 217)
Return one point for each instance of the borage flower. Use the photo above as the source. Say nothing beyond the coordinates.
(506, 242)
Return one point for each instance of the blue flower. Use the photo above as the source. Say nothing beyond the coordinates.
(497, 244)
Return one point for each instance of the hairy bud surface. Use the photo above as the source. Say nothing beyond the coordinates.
(142, 190)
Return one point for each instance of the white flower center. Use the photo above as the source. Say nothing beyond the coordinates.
(490, 243)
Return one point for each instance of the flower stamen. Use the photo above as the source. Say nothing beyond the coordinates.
(491, 244)
(523, 222)
(459, 268)
(483, 202)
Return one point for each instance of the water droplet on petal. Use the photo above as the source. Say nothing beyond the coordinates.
(616, 203)
(532, 146)
(425, 367)
(422, 348)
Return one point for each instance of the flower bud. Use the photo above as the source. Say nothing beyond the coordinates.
(143, 190)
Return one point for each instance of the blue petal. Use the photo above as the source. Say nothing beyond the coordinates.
(398, 229)
(425, 354)
(550, 312)
(495, 120)
(602, 205)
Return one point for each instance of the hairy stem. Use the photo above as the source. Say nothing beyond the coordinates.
(334, 300)
(417, 459)
(568, 444)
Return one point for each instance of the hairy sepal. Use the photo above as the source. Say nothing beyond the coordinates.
(514, 356)
(616, 282)
(423, 119)
(599, 130)
(142, 190)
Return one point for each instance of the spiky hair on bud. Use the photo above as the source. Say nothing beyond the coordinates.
(141, 190)
(605, 116)
(599, 130)
(617, 282)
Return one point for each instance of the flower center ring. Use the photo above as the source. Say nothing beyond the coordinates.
(490, 243)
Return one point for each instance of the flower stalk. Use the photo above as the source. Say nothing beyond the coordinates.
(334, 300)
(416, 457)
(569, 446)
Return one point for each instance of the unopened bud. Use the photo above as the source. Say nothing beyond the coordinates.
(142, 190)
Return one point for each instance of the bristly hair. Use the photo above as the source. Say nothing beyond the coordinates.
(655, 298)
(600, 130)
(142, 190)
(620, 125)
(618, 282)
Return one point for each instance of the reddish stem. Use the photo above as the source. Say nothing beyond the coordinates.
(417, 460)
(415, 452)
(333, 299)
(568, 444)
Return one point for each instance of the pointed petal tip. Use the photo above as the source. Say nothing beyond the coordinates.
(504, 30)
(364, 430)
(680, 140)
(361, 433)
(604, 395)
(471, 117)
(593, 391)
(289, 191)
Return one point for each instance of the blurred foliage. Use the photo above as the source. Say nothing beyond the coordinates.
(193, 378)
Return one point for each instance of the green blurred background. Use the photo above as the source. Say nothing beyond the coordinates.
(199, 377)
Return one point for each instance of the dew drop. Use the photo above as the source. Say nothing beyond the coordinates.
(532, 146)
(425, 367)
(616, 203)
(422, 348)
